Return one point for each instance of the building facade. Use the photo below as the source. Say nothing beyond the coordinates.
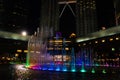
(86, 17)
(84, 13)
(49, 14)
(14, 15)
(117, 11)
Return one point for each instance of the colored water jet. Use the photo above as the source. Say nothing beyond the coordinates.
(83, 68)
(93, 70)
(73, 68)
(104, 71)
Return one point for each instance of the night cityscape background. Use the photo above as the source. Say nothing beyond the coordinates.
(50, 37)
(17, 16)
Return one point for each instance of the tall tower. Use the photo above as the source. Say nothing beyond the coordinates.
(84, 13)
(49, 14)
(86, 17)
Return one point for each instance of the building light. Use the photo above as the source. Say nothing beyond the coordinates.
(25, 51)
(111, 39)
(19, 50)
(72, 35)
(16, 55)
(113, 49)
(84, 44)
(24, 33)
(103, 40)
(66, 48)
(96, 41)
(117, 38)
(3, 57)
(103, 28)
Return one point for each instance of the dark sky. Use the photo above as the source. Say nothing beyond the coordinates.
(34, 15)
(67, 20)
(105, 13)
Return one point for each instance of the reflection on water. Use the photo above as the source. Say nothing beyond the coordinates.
(18, 72)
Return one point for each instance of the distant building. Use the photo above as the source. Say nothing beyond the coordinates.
(117, 11)
(84, 12)
(14, 15)
(86, 17)
(19, 15)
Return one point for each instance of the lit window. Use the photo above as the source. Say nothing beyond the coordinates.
(19, 50)
(113, 49)
(84, 44)
(117, 38)
(103, 28)
(96, 41)
(111, 39)
(103, 40)
(79, 45)
(16, 55)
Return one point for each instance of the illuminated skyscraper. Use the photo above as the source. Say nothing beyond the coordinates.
(49, 14)
(86, 17)
(84, 13)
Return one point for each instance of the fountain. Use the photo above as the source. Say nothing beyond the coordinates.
(46, 52)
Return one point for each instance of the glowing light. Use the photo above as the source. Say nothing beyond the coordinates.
(117, 38)
(113, 49)
(16, 55)
(24, 33)
(103, 40)
(96, 41)
(22, 67)
(93, 70)
(66, 48)
(111, 39)
(3, 57)
(58, 68)
(82, 70)
(84, 44)
(72, 35)
(73, 70)
(103, 28)
(64, 69)
(103, 71)
(50, 69)
(25, 51)
(44, 68)
(19, 50)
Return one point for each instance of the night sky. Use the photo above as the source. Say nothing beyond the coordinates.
(105, 13)
(34, 20)
(67, 21)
